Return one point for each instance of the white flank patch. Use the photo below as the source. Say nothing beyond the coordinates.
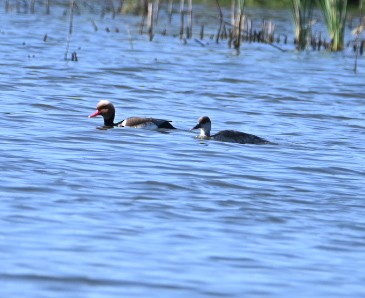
(148, 125)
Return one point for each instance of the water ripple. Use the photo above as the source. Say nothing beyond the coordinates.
(130, 212)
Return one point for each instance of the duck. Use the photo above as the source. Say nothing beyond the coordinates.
(232, 136)
(106, 109)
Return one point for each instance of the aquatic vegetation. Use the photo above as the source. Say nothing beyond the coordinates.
(359, 46)
(302, 11)
(70, 30)
(235, 25)
(238, 18)
(334, 13)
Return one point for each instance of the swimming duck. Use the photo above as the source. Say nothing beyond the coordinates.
(106, 109)
(232, 136)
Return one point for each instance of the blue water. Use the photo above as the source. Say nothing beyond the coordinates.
(87, 212)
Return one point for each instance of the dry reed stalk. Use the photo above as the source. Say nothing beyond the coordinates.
(237, 29)
(74, 57)
(48, 8)
(316, 41)
(359, 29)
(170, 10)
(220, 21)
(94, 25)
(182, 16)
(249, 29)
(70, 29)
(268, 31)
(150, 20)
(156, 10)
(202, 32)
(237, 41)
(224, 34)
(144, 13)
(189, 32)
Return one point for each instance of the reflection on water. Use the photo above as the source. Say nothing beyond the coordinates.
(106, 213)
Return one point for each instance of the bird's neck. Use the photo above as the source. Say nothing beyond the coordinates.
(109, 121)
(204, 134)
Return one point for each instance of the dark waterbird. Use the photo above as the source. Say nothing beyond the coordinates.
(204, 124)
(106, 109)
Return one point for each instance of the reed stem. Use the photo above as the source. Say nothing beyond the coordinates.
(189, 32)
(220, 21)
(150, 20)
(357, 33)
(302, 12)
(48, 6)
(239, 17)
(335, 12)
(70, 28)
(156, 11)
(182, 17)
(170, 10)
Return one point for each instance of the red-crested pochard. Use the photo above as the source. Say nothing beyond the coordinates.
(106, 109)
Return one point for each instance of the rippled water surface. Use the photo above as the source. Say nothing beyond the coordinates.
(87, 212)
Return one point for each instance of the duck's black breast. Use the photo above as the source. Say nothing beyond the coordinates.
(238, 137)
